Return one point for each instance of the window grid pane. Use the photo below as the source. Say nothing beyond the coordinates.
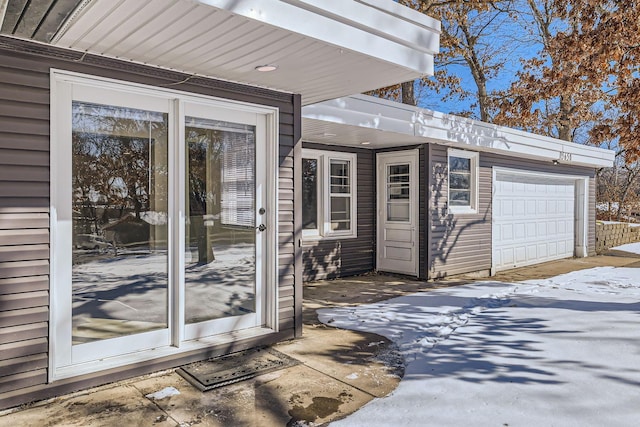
(339, 176)
(460, 181)
(340, 212)
(310, 182)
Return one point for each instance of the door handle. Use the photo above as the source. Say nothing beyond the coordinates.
(261, 227)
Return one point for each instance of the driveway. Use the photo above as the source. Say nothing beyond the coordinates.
(560, 351)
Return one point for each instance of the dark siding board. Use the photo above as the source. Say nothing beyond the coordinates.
(462, 243)
(285, 303)
(27, 158)
(23, 317)
(23, 332)
(24, 202)
(26, 94)
(23, 209)
(22, 380)
(23, 348)
(32, 202)
(285, 313)
(23, 364)
(331, 258)
(23, 268)
(24, 253)
(17, 221)
(9, 173)
(450, 234)
(18, 189)
(17, 109)
(286, 291)
(23, 237)
(20, 285)
(27, 77)
(14, 141)
(423, 195)
(22, 126)
(19, 301)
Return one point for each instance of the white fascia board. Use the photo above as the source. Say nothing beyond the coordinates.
(403, 12)
(358, 119)
(460, 132)
(381, 21)
(371, 32)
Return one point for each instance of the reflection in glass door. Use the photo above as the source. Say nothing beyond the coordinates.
(119, 221)
(160, 223)
(220, 231)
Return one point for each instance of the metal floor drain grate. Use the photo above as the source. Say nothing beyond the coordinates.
(220, 371)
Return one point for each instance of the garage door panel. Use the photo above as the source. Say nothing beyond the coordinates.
(533, 219)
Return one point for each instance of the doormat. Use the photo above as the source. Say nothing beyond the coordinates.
(220, 371)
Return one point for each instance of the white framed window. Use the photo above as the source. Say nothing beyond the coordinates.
(463, 181)
(328, 194)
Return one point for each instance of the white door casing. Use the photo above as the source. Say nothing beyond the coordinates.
(537, 217)
(397, 212)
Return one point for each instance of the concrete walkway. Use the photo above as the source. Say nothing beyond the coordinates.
(339, 371)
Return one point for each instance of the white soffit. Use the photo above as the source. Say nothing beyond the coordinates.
(323, 48)
(354, 120)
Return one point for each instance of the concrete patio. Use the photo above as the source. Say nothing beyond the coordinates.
(339, 372)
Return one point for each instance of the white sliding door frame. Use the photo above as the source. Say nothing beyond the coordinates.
(67, 360)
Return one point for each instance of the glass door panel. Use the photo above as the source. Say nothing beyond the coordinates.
(119, 221)
(220, 231)
(398, 199)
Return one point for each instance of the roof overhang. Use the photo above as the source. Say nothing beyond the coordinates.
(323, 48)
(369, 122)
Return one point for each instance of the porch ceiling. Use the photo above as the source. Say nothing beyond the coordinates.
(323, 49)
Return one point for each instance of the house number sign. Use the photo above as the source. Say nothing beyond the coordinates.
(565, 157)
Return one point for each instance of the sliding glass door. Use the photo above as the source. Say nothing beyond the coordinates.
(223, 268)
(159, 224)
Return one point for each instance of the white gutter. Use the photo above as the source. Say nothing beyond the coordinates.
(430, 126)
(405, 37)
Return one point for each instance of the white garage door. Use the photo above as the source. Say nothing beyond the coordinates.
(533, 219)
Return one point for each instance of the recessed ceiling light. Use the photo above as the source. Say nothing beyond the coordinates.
(328, 135)
(365, 143)
(266, 68)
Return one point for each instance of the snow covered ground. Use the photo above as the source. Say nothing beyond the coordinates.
(633, 248)
(558, 352)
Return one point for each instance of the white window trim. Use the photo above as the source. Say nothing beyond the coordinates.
(473, 156)
(324, 231)
(66, 86)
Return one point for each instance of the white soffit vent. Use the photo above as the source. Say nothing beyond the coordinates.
(382, 123)
(323, 49)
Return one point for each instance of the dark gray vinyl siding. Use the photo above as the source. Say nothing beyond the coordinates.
(423, 220)
(332, 258)
(459, 243)
(24, 211)
(462, 243)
